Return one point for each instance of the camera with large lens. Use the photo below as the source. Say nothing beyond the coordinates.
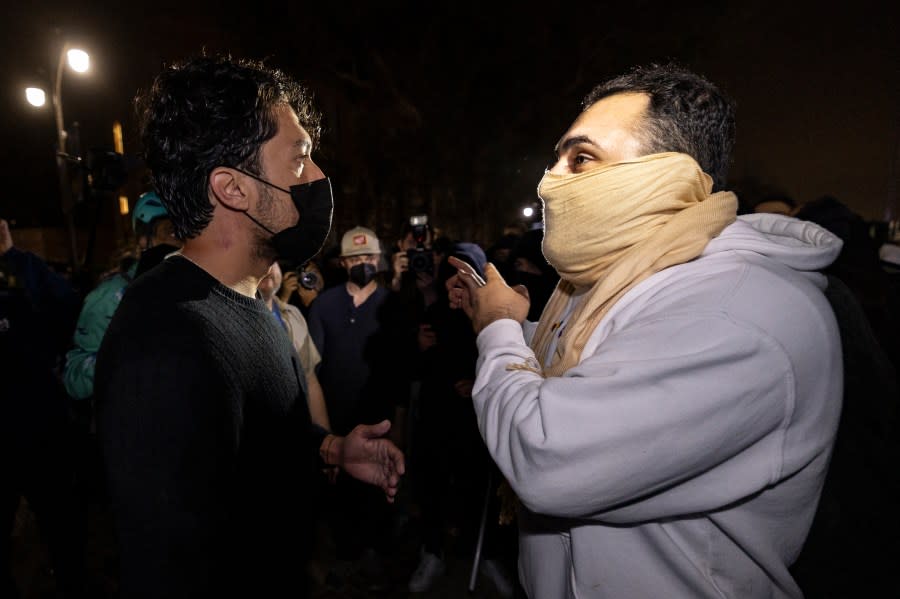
(309, 279)
(420, 258)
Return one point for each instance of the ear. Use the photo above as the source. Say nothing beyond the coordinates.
(230, 188)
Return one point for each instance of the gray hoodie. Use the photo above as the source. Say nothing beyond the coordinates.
(685, 455)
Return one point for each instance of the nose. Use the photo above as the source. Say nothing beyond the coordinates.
(311, 172)
(558, 168)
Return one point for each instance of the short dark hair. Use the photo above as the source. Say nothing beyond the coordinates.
(206, 112)
(686, 114)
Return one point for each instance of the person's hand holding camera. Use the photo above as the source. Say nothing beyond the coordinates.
(399, 264)
(289, 284)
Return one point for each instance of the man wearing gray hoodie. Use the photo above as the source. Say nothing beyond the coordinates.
(668, 423)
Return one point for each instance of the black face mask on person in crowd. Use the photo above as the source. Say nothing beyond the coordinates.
(362, 274)
(315, 204)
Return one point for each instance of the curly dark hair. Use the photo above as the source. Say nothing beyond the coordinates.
(686, 114)
(206, 112)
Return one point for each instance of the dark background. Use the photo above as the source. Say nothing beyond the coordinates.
(453, 109)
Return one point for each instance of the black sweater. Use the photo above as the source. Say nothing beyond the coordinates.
(206, 438)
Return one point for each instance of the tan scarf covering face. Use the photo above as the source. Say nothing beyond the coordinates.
(610, 228)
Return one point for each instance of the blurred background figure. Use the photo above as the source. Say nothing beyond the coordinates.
(300, 287)
(355, 330)
(859, 267)
(293, 322)
(842, 555)
(532, 270)
(776, 203)
(499, 252)
(451, 467)
(154, 240)
(414, 261)
(37, 313)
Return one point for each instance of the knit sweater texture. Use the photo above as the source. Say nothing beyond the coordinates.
(206, 439)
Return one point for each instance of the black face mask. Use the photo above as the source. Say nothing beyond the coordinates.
(315, 204)
(362, 274)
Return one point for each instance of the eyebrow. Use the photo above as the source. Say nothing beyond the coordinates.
(304, 145)
(573, 141)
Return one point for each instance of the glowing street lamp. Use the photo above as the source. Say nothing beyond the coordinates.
(528, 212)
(35, 96)
(80, 62)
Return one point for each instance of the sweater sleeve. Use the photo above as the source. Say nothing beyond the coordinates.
(659, 421)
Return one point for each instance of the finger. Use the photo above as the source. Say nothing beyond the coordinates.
(373, 431)
(455, 262)
(466, 270)
(397, 463)
(452, 282)
(467, 282)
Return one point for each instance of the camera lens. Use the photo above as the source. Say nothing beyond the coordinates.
(309, 280)
(420, 261)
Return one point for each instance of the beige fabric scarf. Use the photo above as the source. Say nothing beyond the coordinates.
(610, 228)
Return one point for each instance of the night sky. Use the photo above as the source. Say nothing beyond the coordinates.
(456, 113)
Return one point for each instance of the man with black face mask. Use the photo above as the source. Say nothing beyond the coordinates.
(205, 431)
(352, 326)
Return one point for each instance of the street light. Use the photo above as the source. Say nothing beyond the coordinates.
(35, 96)
(79, 61)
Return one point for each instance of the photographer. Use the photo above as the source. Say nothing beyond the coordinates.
(415, 255)
(415, 261)
(300, 287)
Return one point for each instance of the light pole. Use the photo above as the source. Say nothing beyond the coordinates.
(78, 61)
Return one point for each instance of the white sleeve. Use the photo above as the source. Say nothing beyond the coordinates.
(667, 417)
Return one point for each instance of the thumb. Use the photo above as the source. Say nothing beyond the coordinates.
(492, 274)
(373, 431)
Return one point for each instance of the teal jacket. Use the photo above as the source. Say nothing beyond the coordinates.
(98, 309)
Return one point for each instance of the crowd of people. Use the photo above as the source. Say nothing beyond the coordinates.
(663, 393)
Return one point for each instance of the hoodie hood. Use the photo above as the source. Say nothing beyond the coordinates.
(799, 244)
